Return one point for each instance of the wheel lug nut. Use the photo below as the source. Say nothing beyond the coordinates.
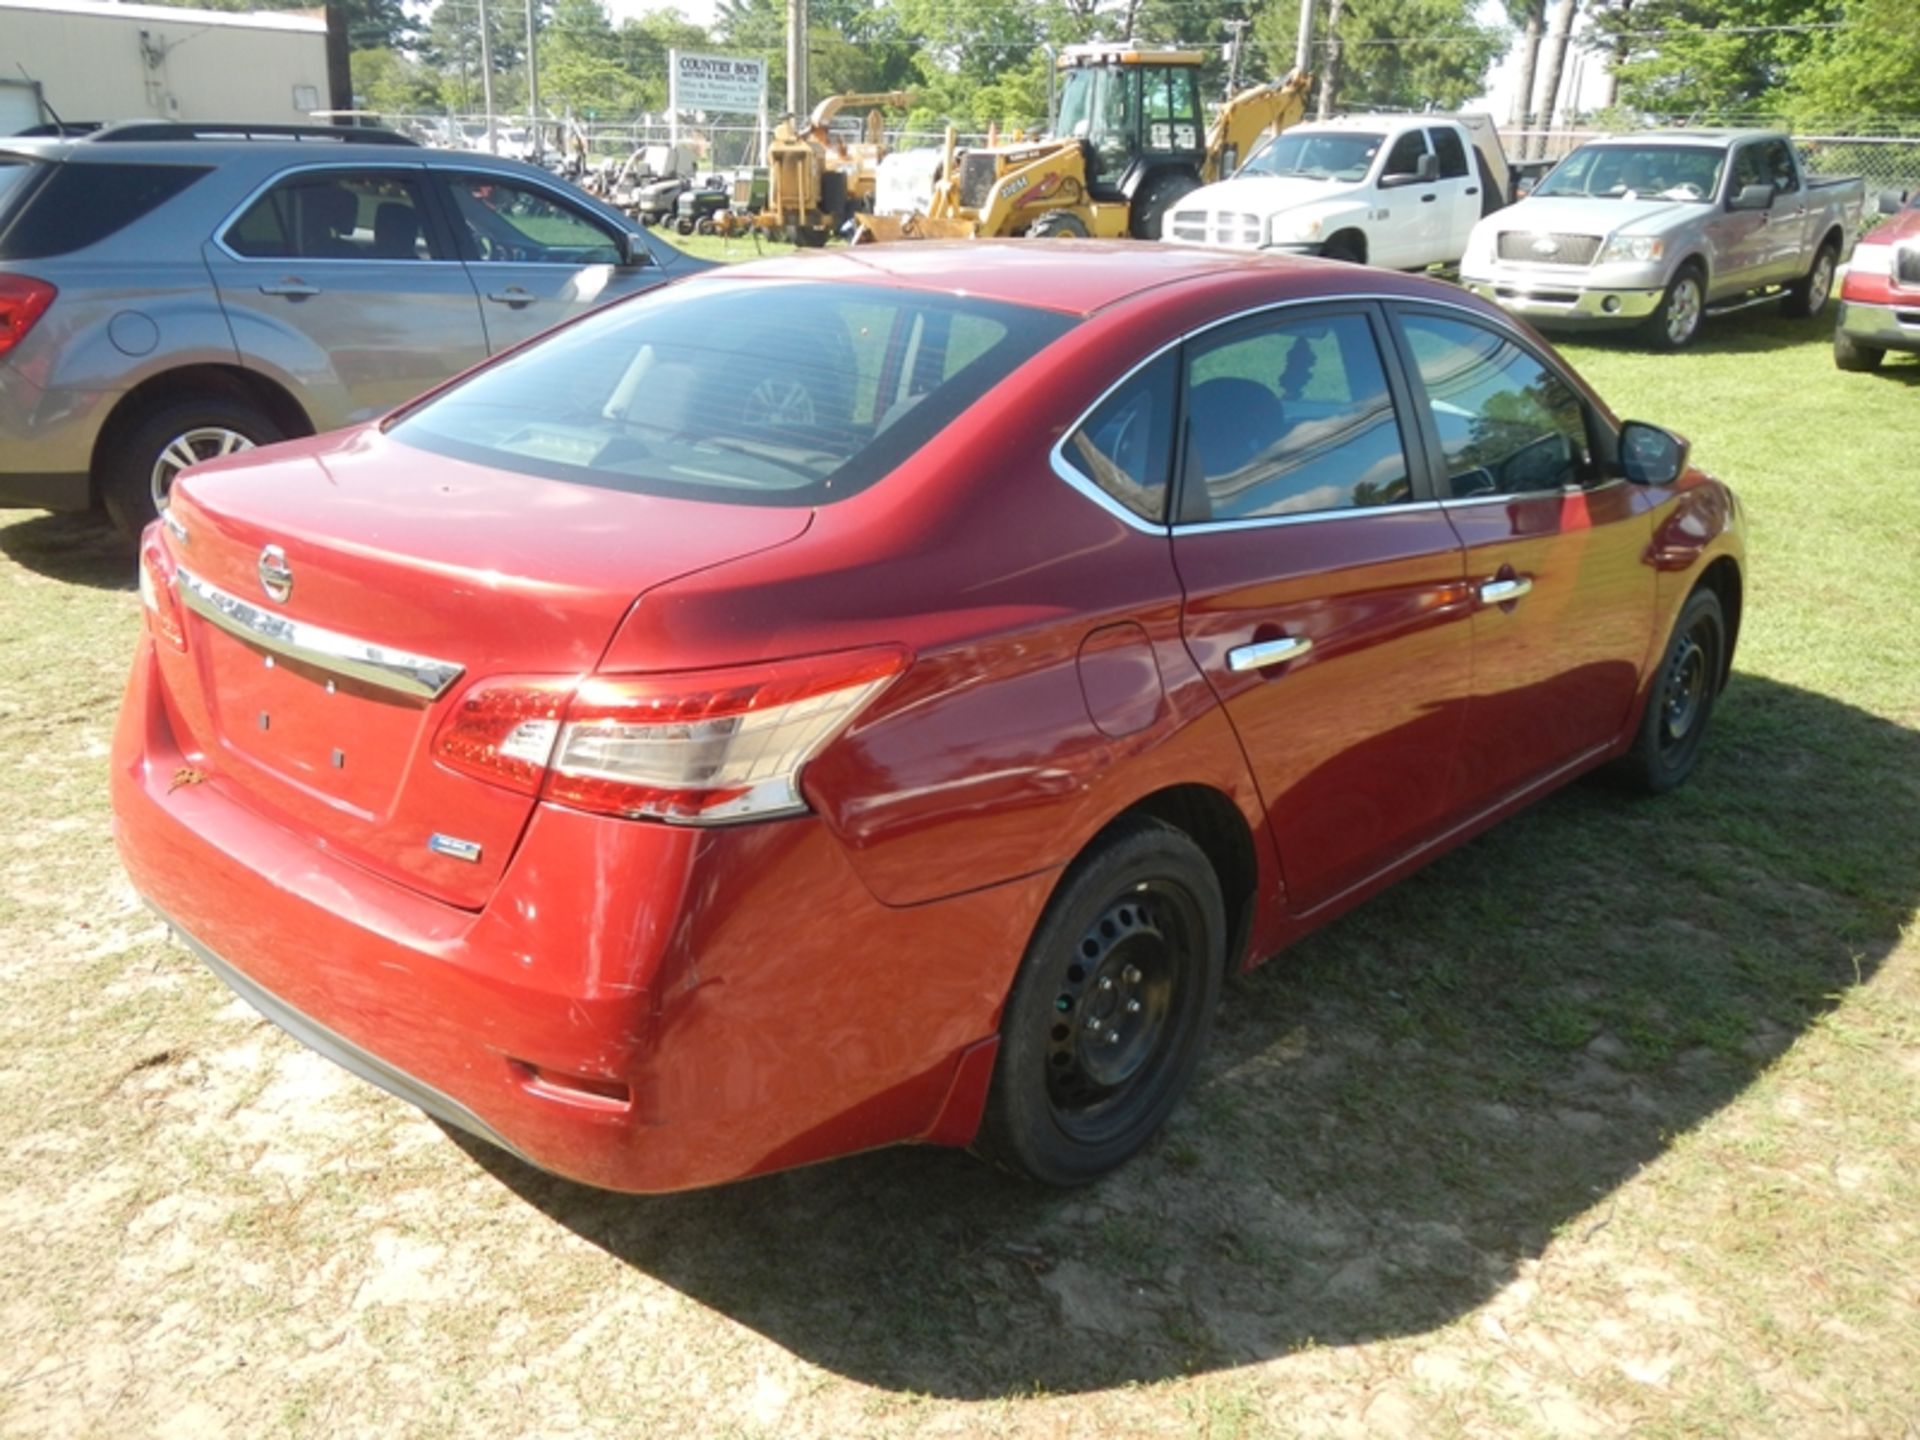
(1112, 1036)
(1106, 982)
(1133, 1007)
(1093, 1022)
(1131, 975)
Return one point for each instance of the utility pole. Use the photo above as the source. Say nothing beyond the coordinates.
(533, 87)
(486, 78)
(1547, 84)
(797, 59)
(1303, 51)
(1330, 72)
(1238, 29)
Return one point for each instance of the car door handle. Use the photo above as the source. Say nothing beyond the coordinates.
(292, 288)
(513, 295)
(1428, 199)
(1263, 653)
(1473, 189)
(1504, 592)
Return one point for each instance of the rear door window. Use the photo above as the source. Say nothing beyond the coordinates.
(1452, 153)
(82, 204)
(1289, 418)
(337, 215)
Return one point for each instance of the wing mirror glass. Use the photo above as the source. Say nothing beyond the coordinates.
(1650, 455)
(1892, 202)
(633, 251)
(1752, 197)
(1429, 167)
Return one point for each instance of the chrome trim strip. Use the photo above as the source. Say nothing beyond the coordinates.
(1266, 653)
(415, 676)
(1505, 592)
(1308, 517)
(1079, 482)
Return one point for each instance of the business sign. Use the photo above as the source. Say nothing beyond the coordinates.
(724, 83)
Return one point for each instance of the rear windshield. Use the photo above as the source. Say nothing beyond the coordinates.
(14, 172)
(81, 205)
(751, 391)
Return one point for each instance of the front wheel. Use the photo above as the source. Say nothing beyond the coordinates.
(1058, 224)
(1850, 354)
(1680, 701)
(1111, 1008)
(140, 469)
(1676, 321)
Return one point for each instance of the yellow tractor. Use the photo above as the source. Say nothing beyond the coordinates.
(816, 182)
(1130, 140)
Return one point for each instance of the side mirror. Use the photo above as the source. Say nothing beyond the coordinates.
(1892, 202)
(1752, 197)
(633, 251)
(1429, 167)
(1650, 455)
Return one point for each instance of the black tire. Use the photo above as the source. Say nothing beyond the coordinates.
(1058, 225)
(683, 226)
(141, 462)
(1680, 700)
(1808, 295)
(1850, 354)
(1111, 1009)
(1676, 320)
(1348, 245)
(808, 237)
(1155, 199)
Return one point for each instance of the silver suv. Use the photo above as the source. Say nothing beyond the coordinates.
(170, 293)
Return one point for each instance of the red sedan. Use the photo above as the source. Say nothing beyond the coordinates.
(880, 697)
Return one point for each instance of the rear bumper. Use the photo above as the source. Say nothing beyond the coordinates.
(1885, 327)
(638, 1007)
(1547, 303)
(46, 442)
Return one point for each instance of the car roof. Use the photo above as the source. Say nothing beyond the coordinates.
(1076, 277)
(272, 153)
(1717, 139)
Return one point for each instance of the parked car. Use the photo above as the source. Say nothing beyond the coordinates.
(819, 704)
(1399, 191)
(1880, 296)
(1658, 230)
(170, 293)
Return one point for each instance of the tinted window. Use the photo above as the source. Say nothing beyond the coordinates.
(81, 205)
(1779, 165)
(503, 221)
(1291, 418)
(1453, 154)
(335, 215)
(757, 392)
(1171, 107)
(1125, 446)
(1507, 424)
(13, 178)
(1404, 158)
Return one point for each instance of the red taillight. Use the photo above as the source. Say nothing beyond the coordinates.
(22, 302)
(157, 592)
(696, 748)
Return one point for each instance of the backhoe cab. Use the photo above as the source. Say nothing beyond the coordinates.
(1130, 138)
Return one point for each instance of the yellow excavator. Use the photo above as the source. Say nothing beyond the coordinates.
(815, 182)
(1129, 141)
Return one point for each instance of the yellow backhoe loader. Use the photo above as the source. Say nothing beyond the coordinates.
(1129, 141)
(816, 182)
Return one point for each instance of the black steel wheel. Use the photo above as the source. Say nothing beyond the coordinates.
(1680, 700)
(1111, 1009)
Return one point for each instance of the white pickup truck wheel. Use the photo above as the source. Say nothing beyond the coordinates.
(1348, 245)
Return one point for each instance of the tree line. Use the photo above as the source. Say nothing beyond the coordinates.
(1816, 63)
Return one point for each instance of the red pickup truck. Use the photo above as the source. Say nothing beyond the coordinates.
(1880, 302)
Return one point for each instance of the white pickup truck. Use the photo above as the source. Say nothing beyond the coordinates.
(1400, 191)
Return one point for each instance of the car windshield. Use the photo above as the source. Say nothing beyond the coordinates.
(1342, 156)
(1638, 172)
(745, 391)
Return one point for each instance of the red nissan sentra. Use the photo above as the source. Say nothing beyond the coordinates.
(879, 697)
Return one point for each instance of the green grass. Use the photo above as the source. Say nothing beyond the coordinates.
(1603, 1124)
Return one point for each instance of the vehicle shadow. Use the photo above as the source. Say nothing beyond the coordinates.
(75, 549)
(1756, 331)
(1396, 1114)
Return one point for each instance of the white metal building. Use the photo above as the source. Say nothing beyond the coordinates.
(97, 60)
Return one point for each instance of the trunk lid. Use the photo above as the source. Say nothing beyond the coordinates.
(412, 577)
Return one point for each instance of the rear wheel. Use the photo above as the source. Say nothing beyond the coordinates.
(1111, 1009)
(1056, 224)
(1151, 205)
(1681, 700)
(1850, 354)
(1676, 320)
(1807, 296)
(138, 473)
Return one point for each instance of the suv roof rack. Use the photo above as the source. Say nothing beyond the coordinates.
(132, 130)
